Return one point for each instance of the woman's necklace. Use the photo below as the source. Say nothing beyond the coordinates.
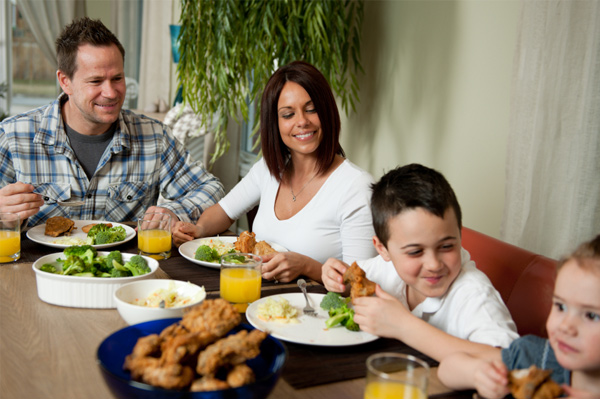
(303, 187)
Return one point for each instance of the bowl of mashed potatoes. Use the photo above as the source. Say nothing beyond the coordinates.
(147, 300)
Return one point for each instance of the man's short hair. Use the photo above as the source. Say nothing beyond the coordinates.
(82, 31)
(410, 187)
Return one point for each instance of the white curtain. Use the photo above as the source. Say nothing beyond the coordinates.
(553, 158)
(47, 19)
(157, 69)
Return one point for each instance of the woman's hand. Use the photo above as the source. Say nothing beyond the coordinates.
(286, 266)
(332, 274)
(184, 232)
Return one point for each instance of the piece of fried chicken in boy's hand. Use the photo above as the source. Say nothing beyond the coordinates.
(360, 285)
(533, 383)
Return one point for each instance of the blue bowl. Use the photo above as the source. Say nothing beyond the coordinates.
(112, 352)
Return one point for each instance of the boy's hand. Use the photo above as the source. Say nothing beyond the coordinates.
(491, 379)
(332, 274)
(184, 232)
(382, 315)
(573, 393)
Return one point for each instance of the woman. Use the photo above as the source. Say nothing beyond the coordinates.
(311, 199)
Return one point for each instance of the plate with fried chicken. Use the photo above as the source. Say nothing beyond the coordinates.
(208, 251)
(62, 232)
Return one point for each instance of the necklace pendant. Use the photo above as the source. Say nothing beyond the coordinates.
(293, 198)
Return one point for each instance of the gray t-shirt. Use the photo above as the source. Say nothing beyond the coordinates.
(89, 149)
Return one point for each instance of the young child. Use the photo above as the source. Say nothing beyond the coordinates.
(429, 293)
(572, 351)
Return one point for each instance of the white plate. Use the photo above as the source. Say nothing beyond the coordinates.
(311, 330)
(37, 234)
(188, 249)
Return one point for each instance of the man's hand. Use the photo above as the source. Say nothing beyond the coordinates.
(158, 209)
(19, 198)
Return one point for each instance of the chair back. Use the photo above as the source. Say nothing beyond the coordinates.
(525, 280)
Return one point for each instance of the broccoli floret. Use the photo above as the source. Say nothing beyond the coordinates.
(103, 237)
(339, 312)
(73, 265)
(206, 254)
(333, 300)
(120, 273)
(137, 265)
(96, 229)
(108, 261)
(79, 250)
(102, 234)
(47, 267)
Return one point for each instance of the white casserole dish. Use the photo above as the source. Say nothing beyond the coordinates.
(83, 292)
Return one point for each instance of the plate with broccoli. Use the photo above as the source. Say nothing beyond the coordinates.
(101, 234)
(313, 330)
(208, 251)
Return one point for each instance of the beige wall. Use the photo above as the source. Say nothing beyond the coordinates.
(436, 91)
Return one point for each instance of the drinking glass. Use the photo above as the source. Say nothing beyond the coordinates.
(154, 235)
(10, 237)
(397, 376)
(241, 279)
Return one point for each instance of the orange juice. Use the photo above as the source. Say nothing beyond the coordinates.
(240, 285)
(153, 242)
(392, 390)
(10, 246)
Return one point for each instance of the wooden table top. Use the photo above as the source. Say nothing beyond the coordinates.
(49, 351)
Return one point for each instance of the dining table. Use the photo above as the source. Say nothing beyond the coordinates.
(49, 351)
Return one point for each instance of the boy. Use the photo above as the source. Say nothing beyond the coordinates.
(429, 293)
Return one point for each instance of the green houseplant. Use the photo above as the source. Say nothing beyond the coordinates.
(229, 49)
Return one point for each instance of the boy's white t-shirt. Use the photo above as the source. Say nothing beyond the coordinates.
(471, 309)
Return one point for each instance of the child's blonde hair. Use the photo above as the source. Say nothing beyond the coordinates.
(587, 255)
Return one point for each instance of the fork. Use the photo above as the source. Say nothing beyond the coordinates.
(308, 310)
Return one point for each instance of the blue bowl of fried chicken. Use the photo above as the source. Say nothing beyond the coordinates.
(207, 353)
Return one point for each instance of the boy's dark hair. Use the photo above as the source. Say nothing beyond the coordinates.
(82, 31)
(409, 187)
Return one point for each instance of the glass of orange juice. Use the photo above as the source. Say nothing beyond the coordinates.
(10, 237)
(241, 279)
(154, 235)
(396, 375)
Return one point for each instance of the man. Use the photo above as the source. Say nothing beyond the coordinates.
(84, 146)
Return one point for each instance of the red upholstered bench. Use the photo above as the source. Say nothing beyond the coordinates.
(524, 279)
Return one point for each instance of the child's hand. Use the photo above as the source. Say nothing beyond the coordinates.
(184, 232)
(491, 379)
(573, 393)
(332, 274)
(380, 315)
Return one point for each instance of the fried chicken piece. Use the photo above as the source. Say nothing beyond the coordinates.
(533, 383)
(208, 383)
(263, 248)
(59, 225)
(240, 375)
(245, 242)
(232, 350)
(360, 285)
(180, 348)
(145, 354)
(216, 316)
(169, 376)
